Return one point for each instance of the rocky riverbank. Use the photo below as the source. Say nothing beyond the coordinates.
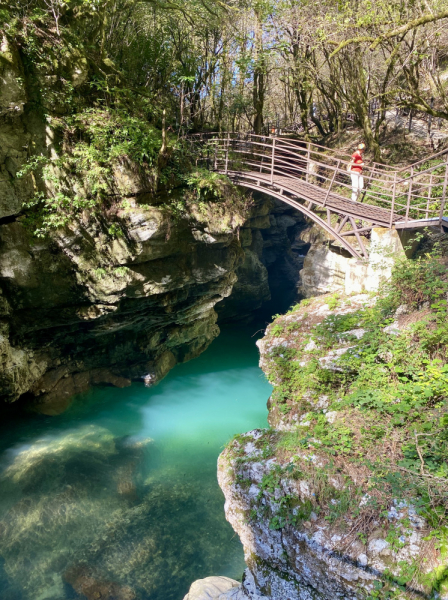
(337, 499)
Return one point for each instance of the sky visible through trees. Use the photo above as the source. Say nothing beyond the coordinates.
(238, 65)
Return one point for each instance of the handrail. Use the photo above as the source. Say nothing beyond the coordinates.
(420, 172)
(325, 165)
(282, 161)
(284, 157)
(286, 144)
(300, 143)
(423, 160)
(325, 148)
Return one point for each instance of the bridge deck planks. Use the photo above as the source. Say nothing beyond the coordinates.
(309, 191)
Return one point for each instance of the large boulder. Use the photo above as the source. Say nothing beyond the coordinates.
(214, 588)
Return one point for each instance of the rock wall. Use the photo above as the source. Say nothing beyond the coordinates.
(273, 259)
(328, 267)
(315, 522)
(14, 138)
(82, 306)
(83, 309)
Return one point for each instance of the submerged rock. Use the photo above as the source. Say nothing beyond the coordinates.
(91, 510)
(70, 486)
(85, 581)
(45, 462)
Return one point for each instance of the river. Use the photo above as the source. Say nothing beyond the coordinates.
(119, 494)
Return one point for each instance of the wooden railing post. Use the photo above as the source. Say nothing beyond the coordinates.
(392, 208)
(227, 153)
(429, 196)
(215, 166)
(272, 160)
(308, 158)
(443, 200)
(411, 181)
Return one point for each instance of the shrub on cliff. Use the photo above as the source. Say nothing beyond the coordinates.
(104, 155)
(364, 394)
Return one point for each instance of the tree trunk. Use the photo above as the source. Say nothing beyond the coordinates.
(259, 76)
(258, 99)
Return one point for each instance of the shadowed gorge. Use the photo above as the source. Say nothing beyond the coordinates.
(223, 300)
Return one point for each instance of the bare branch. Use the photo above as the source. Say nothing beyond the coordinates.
(391, 34)
(409, 26)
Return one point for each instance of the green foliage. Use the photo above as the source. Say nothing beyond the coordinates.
(121, 271)
(213, 197)
(277, 330)
(294, 378)
(340, 504)
(293, 440)
(99, 137)
(96, 145)
(395, 538)
(333, 301)
(271, 481)
(414, 282)
(114, 230)
(286, 509)
(327, 332)
(295, 307)
(337, 438)
(207, 184)
(295, 326)
(100, 273)
(391, 385)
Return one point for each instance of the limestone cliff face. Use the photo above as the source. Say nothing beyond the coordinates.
(14, 138)
(83, 309)
(314, 522)
(272, 262)
(83, 306)
(328, 267)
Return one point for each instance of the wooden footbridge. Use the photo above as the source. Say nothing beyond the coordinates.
(315, 180)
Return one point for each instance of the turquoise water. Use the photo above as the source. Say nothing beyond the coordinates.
(118, 497)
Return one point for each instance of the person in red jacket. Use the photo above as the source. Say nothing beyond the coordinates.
(357, 164)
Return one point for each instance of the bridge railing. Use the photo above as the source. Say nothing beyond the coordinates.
(286, 157)
(421, 189)
(417, 192)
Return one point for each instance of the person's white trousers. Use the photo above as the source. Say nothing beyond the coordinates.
(357, 185)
